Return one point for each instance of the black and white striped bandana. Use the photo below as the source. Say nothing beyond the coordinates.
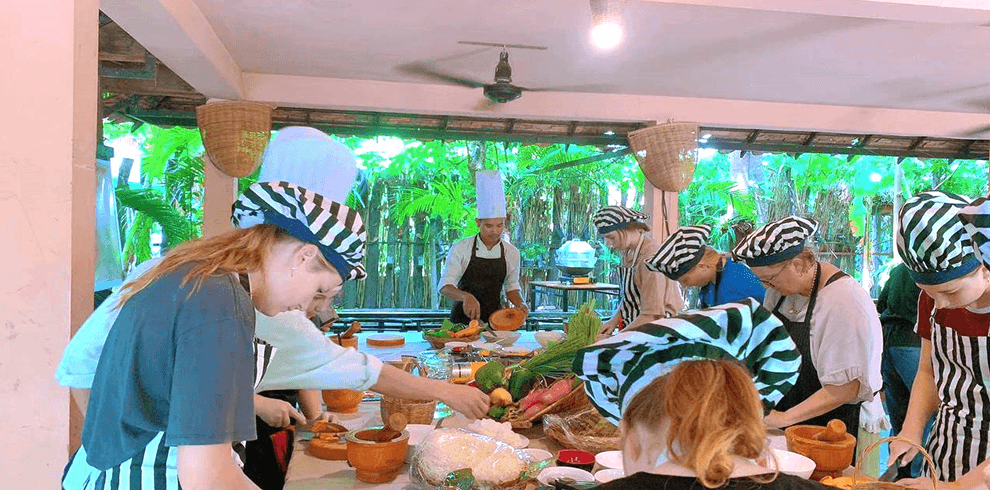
(931, 238)
(681, 251)
(775, 242)
(976, 220)
(611, 218)
(616, 369)
(336, 229)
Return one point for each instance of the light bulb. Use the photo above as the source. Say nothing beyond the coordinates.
(606, 35)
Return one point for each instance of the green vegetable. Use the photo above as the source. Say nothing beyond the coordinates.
(556, 360)
(496, 413)
(520, 382)
(490, 376)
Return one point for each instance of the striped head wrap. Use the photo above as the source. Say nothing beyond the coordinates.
(681, 251)
(976, 221)
(931, 238)
(336, 229)
(775, 242)
(616, 369)
(611, 218)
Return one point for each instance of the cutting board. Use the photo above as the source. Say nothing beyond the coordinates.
(385, 340)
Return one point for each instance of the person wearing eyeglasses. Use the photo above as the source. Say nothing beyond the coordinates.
(686, 258)
(830, 317)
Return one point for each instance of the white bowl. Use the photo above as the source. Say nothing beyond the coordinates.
(551, 474)
(792, 463)
(455, 345)
(539, 454)
(605, 476)
(504, 339)
(545, 338)
(609, 459)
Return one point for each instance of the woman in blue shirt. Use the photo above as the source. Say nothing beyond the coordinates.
(684, 257)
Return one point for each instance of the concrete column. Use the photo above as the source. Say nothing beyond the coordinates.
(219, 192)
(664, 216)
(47, 214)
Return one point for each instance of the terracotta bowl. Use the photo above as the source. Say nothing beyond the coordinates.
(830, 457)
(376, 462)
(342, 401)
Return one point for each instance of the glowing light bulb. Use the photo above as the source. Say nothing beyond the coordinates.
(606, 35)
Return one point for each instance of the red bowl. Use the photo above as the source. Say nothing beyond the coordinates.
(576, 458)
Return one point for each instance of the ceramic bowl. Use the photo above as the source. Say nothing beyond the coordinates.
(830, 457)
(376, 462)
(503, 338)
(342, 401)
(609, 459)
(545, 338)
(576, 458)
(607, 475)
(539, 454)
(793, 463)
(551, 474)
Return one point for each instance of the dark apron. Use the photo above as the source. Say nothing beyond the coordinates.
(483, 278)
(807, 383)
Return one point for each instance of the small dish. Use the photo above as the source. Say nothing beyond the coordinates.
(551, 474)
(609, 459)
(546, 338)
(576, 458)
(539, 454)
(607, 475)
(515, 350)
(793, 463)
(502, 338)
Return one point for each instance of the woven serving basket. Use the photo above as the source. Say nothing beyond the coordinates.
(417, 411)
(882, 485)
(583, 429)
(438, 343)
(667, 154)
(235, 135)
(575, 400)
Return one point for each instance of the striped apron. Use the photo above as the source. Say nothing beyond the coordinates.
(959, 438)
(156, 466)
(630, 303)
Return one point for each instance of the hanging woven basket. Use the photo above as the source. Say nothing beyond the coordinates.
(667, 154)
(235, 135)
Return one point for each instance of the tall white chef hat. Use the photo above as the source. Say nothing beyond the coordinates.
(491, 194)
(308, 158)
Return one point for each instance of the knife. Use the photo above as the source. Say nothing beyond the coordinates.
(891, 473)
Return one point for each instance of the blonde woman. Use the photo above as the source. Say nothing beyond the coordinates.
(700, 425)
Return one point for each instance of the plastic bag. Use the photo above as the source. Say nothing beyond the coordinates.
(583, 429)
(492, 464)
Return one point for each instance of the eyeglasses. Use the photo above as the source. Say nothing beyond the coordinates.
(768, 282)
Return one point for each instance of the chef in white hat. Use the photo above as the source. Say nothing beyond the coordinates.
(480, 267)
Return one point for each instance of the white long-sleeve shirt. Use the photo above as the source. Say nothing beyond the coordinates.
(460, 255)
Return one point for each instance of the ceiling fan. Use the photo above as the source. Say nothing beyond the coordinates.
(499, 92)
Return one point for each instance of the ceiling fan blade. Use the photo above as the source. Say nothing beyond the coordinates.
(574, 88)
(421, 69)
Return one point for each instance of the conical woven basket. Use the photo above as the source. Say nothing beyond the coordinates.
(235, 135)
(667, 154)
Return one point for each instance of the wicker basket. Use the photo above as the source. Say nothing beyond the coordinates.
(667, 154)
(438, 343)
(575, 400)
(583, 429)
(882, 485)
(417, 411)
(235, 135)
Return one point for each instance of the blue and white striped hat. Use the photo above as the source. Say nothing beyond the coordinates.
(681, 251)
(931, 238)
(775, 242)
(611, 218)
(336, 229)
(616, 369)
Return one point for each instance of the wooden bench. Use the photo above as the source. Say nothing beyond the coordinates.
(422, 319)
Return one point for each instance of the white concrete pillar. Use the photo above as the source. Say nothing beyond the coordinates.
(664, 216)
(219, 192)
(47, 214)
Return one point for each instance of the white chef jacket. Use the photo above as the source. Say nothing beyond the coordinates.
(460, 255)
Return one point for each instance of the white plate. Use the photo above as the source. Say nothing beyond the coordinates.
(455, 345)
(609, 459)
(605, 476)
(539, 454)
(551, 474)
(515, 350)
(793, 463)
(417, 434)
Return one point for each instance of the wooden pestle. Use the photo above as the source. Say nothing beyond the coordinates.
(354, 328)
(393, 428)
(835, 431)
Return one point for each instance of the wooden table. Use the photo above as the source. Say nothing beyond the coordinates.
(309, 473)
(566, 287)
